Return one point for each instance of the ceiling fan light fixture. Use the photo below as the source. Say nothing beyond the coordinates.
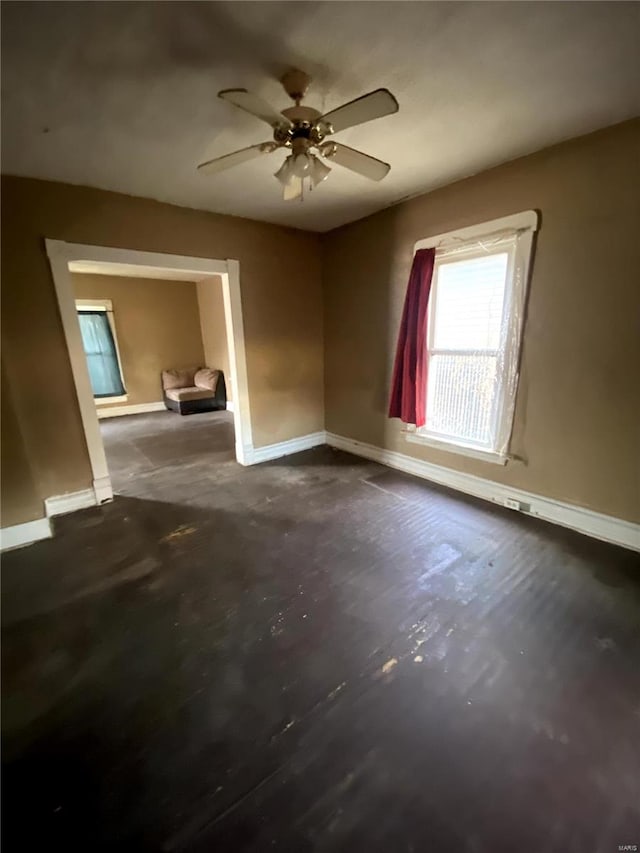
(319, 172)
(285, 172)
(296, 168)
(301, 164)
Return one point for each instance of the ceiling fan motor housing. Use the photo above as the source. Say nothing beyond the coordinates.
(304, 127)
(296, 83)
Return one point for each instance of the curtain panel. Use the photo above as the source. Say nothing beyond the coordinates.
(409, 384)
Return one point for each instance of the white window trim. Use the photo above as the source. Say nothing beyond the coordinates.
(526, 223)
(94, 305)
(461, 449)
(526, 219)
(107, 306)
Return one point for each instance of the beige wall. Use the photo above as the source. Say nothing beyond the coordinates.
(18, 485)
(213, 327)
(157, 326)
(576, 423)
(282, 312)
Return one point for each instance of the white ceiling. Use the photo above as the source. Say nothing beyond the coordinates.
(123, 95)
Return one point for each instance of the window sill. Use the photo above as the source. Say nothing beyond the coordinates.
(460, 449)
(105, 401)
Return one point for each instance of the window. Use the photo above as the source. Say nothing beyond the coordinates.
(95, 318)
(476, 306)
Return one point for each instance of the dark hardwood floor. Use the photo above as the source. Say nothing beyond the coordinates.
(313, 654)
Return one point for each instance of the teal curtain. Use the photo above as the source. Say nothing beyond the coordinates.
(100, 350)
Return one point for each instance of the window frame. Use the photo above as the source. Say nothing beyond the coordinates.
(452, 245)
(107, 306)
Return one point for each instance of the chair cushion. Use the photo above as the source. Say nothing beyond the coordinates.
(178, 378)
(193, 393)
(207, 378)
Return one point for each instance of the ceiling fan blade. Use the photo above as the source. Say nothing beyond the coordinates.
(374, 105)
(254, 105)
(219, 164)
(363, 164)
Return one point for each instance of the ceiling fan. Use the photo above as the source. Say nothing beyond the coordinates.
(304, 129)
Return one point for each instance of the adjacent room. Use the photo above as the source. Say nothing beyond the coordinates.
(320, 493)
(156, 351)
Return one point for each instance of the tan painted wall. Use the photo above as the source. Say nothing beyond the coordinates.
(21, 504)
(214, 330)
(157, 326)
(577, 418)
(576, 424)
(282, 312)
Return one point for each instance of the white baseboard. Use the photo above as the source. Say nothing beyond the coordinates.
(586, 521)
(24, 534)
(230, 406)
(62, 504)
(284, 448)
(244, 453)
(103, 490)
(134, 409)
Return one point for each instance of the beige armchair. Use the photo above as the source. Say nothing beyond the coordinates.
(194, 389)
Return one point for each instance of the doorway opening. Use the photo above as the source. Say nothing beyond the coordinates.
(112, 385)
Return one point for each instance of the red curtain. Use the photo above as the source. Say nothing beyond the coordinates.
(409, 385)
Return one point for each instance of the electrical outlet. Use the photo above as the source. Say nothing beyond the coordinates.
(511, 504)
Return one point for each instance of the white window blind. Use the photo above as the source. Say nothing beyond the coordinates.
(465, 347)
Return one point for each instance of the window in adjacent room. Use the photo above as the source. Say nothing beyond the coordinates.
(476, 307)
(97, 329)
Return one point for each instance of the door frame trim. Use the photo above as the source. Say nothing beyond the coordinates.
(61, 254)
